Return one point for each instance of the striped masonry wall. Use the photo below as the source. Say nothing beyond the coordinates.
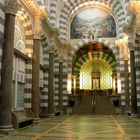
(53, 12)
(56, 78)
(2, 22)
(137, 64)
(26, 23)
(65, 76)
(44, 94)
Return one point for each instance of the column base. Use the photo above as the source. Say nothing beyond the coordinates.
(6, 129)
(134, 115)
(51, 115)
(36, 120)
(128, 113)
(61, 113)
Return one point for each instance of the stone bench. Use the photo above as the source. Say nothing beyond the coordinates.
(21, 118)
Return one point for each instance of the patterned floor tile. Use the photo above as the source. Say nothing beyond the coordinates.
(90, 127)
(16, 138)
(39, 128)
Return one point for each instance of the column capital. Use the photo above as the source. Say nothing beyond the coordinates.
(51, 44)
(60, 58)
(11, 6)
(51, 49)
(37, 30)
(137, 38)
(131, 46)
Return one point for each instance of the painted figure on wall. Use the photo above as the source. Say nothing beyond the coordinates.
(93, 23)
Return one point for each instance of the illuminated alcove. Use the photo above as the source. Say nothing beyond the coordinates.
(93, 65)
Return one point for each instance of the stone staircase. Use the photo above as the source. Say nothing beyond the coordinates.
(84, 107)
(102, 106)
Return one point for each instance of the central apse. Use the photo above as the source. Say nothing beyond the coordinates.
(105, 75)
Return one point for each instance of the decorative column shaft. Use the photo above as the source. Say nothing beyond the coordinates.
(133, 81)
(7, 68)
(126, 74)
(61, 85)
(35, 71)
(51, 80)
(35, 80)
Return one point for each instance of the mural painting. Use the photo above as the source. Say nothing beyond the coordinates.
(93, 23)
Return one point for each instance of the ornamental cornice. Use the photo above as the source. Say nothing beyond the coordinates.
(11, 6)
(35, 9)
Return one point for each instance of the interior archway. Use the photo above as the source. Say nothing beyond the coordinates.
(94, 58)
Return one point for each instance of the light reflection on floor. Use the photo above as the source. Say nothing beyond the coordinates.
(86, 127)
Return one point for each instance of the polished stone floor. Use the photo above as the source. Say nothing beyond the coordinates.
(90, 127)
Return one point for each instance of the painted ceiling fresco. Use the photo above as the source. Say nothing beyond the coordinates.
(93, 23)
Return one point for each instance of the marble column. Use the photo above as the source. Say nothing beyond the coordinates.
(35, 79)
(133, 80)
(61, 85)
(7, 68)
(51, 112)
(126, 75)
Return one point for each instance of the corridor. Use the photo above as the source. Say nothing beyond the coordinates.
(86, 127)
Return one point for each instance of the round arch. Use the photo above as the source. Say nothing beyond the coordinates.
(110, 45)
(95, 56)
(24, 18)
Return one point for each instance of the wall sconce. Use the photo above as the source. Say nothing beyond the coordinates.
(69, 84)
(119, 85)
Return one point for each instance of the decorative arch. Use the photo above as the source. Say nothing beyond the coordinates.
(95, 56)
(69, 6)
(110, 44)
(25, 20)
